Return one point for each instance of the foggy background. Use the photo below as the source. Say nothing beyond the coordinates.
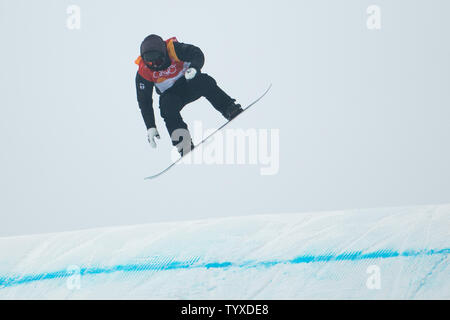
(363, 114)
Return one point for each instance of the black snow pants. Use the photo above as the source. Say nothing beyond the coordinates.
(173, 100)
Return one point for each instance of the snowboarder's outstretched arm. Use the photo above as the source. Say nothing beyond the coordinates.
(190, 53)
(144, 90)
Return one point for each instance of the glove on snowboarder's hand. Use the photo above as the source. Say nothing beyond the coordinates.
(190, 73)
(152, 133)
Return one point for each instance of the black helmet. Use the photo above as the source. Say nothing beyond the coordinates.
(154, 52)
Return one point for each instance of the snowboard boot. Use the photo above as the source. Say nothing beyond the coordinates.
(232, 110)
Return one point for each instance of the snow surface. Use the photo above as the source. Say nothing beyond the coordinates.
(287, 256)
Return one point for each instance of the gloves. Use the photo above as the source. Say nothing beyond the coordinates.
(152, 133)
(190, 73)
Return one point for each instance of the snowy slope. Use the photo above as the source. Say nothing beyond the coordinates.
(376, 253)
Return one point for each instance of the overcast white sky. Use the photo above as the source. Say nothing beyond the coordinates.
(363, 114)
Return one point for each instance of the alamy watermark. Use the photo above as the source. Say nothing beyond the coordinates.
(374, 280)
(73, 282)
(73, 21)
(233, 147)
(374, 17)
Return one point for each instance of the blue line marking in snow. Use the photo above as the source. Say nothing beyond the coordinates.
(9, 281)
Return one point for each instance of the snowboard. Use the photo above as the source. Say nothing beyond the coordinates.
(209, 136)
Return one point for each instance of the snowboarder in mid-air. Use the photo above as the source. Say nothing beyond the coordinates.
(174, 69)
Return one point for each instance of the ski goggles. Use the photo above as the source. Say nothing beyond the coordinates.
(154, 58)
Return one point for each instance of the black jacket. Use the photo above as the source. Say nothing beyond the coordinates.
(144, 88)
